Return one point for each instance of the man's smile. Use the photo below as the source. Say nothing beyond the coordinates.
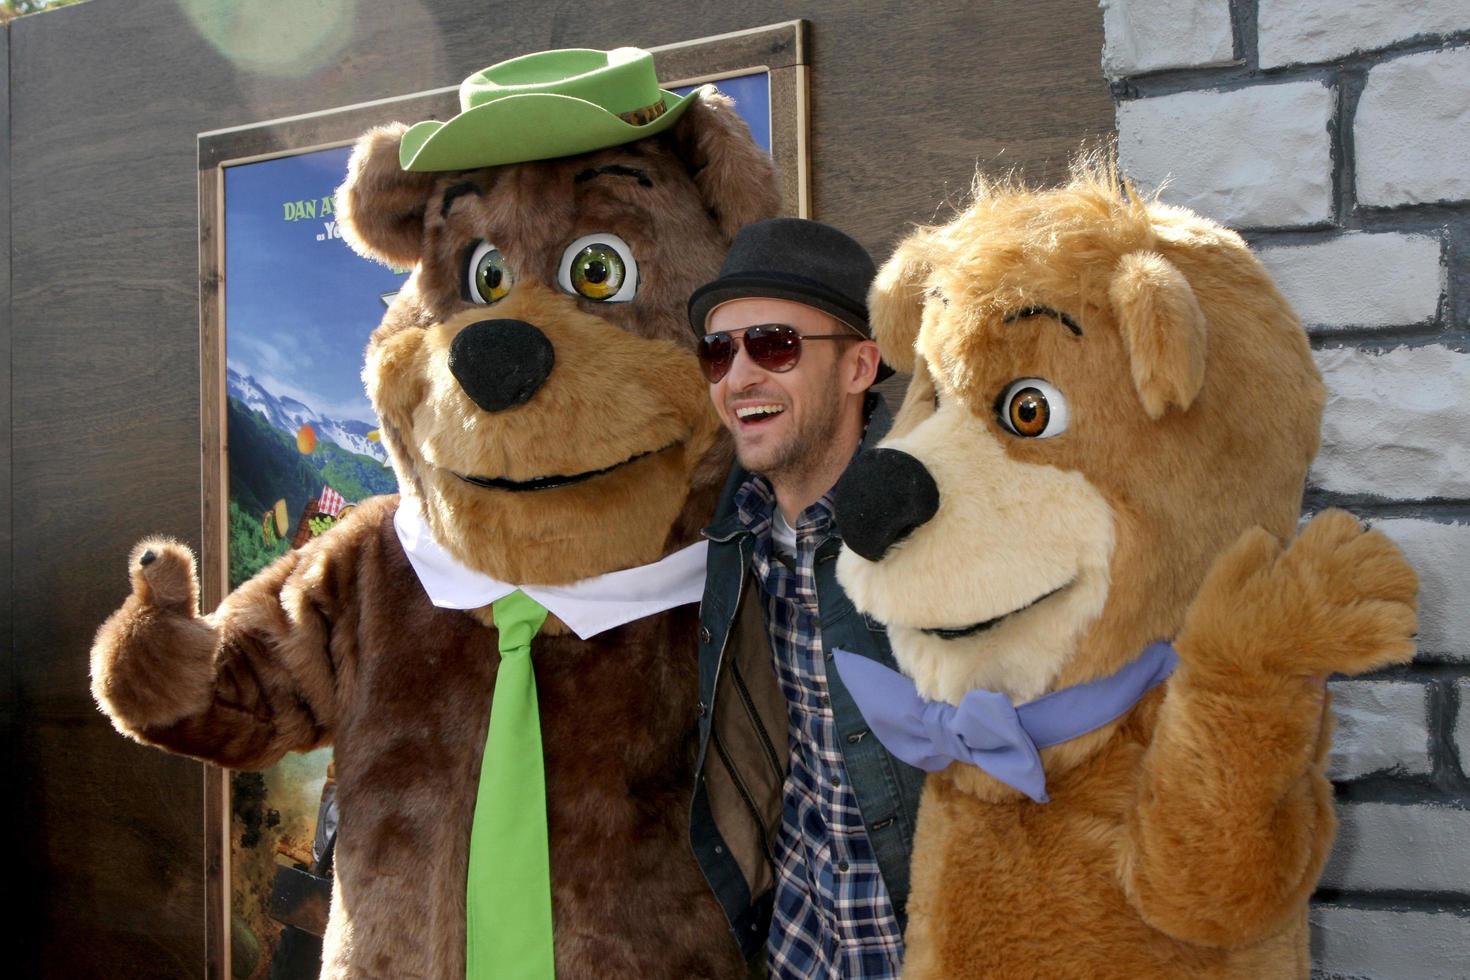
(759, 413)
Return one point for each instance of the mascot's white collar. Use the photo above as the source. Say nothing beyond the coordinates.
(588, 607)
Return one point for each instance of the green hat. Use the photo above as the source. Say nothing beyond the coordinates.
(545, 105)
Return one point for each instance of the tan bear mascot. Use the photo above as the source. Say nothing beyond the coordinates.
(1081, 537)
(548, 425)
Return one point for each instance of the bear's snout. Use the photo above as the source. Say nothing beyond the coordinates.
(501, 363)
(884, 496)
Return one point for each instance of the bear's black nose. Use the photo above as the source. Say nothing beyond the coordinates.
(500, 363)
(884, 496)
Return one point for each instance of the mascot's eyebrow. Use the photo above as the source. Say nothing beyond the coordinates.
(1057, 315)
(613, 170)
(468, 187)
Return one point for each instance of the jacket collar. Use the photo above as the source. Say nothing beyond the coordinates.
(727, 525)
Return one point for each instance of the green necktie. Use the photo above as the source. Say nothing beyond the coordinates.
(508, 894)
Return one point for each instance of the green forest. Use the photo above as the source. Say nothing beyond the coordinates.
(266, 466)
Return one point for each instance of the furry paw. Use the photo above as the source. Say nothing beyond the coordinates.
(1339, 599)
(163, 576)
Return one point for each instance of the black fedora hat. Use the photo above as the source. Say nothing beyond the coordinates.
(792, 258)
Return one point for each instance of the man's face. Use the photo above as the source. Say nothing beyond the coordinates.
(781, 420)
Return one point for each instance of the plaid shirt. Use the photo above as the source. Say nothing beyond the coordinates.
(832, 916)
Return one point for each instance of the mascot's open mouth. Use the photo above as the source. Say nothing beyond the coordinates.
(980, 627)
(552, 482)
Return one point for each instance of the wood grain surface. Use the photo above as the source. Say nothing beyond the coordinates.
(102, 340)
(28, 916)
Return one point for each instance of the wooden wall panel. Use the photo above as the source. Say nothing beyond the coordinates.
(101, 339)
(9, 724)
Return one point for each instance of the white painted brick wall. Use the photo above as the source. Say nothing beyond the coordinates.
(1382, 726)
(1386, 944)
(1257, 157)
(1302, 31)
(1360, 280)
(1393, 847)
(1149, 35)
(1413, 130)
(1440, 553)
(1397, 424)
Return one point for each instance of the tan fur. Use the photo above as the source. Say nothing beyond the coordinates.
(976, 483)
(1184, 839)
(338, 644)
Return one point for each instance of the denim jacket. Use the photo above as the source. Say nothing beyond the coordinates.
(743, 741)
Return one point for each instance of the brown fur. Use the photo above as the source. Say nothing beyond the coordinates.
(337, 644)
(1185, 839)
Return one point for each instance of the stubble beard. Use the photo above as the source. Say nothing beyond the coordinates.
(804, 448)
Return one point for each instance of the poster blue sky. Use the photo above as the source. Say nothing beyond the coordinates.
(299, 304)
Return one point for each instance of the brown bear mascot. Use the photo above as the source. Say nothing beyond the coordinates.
(1076, 535)
(557, 453)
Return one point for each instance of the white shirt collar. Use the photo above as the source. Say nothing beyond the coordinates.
(588, 607)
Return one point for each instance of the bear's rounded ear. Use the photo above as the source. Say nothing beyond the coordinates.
(380, 206)
(1163, 330)
(896, 302)
(735, 177)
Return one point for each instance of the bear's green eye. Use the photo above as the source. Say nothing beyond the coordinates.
(488, 276)
(599, 267)
(597, 272)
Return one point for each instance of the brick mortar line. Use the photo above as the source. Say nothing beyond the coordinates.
(1244, 18)
(1402, 218)
(1395, 900)
(1449, 790)
(1347, 91)
(1443, 759)
(1451, 706)
(1439, 220)
(1434, 510)
(1381, 340)
(1231, 78)
(1417, 672)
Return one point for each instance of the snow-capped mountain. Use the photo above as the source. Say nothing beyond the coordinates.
(289, 415)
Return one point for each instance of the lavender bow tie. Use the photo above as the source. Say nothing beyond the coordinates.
(985, 729)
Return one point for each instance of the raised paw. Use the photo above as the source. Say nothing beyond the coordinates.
(162, 571)
(1339, 599)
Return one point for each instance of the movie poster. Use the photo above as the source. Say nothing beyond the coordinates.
(303, 450)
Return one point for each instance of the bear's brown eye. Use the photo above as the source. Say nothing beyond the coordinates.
(1029, 412)
(599, 267)
(1032, 409)
(487, 275)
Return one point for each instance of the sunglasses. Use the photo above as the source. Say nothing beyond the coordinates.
(774, 347)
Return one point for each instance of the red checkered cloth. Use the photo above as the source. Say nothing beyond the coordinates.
(331, 501)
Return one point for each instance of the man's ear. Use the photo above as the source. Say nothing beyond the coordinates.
(896, 303)
(735, 177)
(863, 369)
(380, 206)
(1163, 330)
